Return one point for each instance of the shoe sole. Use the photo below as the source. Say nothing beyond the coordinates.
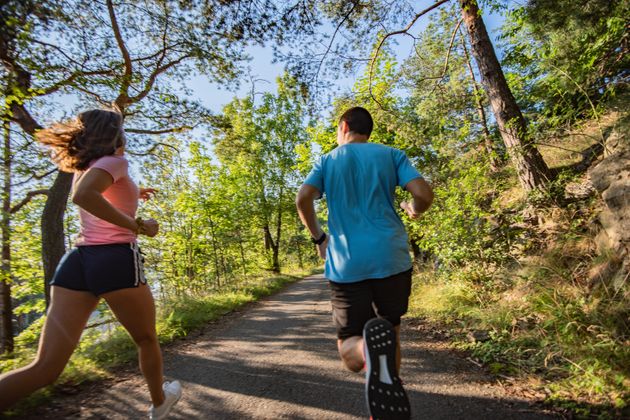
(386, 398)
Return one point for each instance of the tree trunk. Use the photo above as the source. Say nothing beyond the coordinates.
(274, 246)
(487, 138)
(275, 261)
(242, 249)
(6, 308)
(532, 170)
(276, 249)
(216, 255)
(53, 246)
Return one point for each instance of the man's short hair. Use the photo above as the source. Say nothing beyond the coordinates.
(359, 120)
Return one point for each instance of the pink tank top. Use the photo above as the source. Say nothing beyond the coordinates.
(122, 194)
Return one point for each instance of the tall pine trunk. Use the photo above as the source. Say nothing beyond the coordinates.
(53, 246)
(532, 170)
(6, 308)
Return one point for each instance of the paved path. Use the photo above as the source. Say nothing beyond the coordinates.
(278, 360)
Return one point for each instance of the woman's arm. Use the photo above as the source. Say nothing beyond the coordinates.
(147, 193)
(88, 195)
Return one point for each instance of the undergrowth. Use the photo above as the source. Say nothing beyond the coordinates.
(547, 315)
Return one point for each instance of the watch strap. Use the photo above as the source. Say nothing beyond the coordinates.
(320, 240)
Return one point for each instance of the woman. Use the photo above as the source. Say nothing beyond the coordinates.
(106, 262)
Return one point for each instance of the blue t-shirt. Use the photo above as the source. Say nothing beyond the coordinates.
(367, 238)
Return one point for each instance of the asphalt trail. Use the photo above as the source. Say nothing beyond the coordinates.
(278, 360)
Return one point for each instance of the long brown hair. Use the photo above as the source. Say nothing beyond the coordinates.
(91, 135)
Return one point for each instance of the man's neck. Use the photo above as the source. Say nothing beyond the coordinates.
(355, 138)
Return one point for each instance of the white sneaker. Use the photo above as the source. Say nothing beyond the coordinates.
(172, 394)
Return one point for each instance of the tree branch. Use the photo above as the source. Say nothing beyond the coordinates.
(27, 199)
(150, 150)
(19, 114)
(123, 96)
(35, 176)
(67, 81)
(157, 53)
(94, 94)
(354, 5)
(25, 120)
(163, 131)
(158, 70)
(448, 56)
(56, 47)
(402, 31)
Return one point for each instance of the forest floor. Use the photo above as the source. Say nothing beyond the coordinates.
(277, 359)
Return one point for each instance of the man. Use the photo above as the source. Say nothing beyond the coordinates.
(367, 257)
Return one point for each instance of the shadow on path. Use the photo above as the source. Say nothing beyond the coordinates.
(278, 360)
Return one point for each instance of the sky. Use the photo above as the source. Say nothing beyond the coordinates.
(214, 97)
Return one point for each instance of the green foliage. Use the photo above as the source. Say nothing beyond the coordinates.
(565, 56)
(544, 320)
(455, 230)
(261, 148)
(225, 204)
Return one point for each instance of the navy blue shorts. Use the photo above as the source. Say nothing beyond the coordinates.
(101, 268)
(354, 304)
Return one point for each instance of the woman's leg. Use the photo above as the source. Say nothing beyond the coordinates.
(68, 313)
(135, 310)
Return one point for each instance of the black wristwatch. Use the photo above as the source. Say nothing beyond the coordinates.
(320, 240)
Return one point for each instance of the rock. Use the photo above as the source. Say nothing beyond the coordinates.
(614, 167)
(478, 336)
(615, 142)
(611, 178)
(606, 272)
(579, 190)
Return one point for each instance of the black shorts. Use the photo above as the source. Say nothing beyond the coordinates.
(100, 268)
(354, 304)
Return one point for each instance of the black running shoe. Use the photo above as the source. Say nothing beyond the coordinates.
(386, 397)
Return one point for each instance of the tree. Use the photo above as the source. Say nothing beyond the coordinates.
(258, 146)
(566, 57)
(532, 170)
(19, 169)
(125, 53)
(361, 22)
(6, 312)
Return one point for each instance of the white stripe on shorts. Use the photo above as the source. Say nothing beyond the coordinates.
(138, 266)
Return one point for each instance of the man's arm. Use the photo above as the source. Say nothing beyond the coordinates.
(422, 197)
(304, 201)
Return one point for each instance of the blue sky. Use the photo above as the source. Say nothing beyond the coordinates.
(213, 97)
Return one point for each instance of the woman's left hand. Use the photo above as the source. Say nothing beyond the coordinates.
(147, 193)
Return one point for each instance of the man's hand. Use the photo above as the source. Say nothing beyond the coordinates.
(422, 198)
(321, 248)
(407, 206)
(147, 193)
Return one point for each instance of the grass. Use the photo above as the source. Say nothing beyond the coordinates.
(555, 315)
(576, 342)
(99, 354)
